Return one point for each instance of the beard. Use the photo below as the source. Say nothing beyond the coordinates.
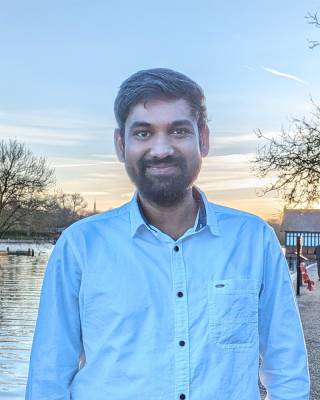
(168, 189)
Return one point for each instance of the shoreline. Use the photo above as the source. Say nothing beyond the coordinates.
(43, 246)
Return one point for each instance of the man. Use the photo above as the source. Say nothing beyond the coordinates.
(168, 297)
(317, 253)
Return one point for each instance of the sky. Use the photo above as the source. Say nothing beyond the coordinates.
(62, 63)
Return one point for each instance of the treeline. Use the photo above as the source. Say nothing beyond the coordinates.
(29, 206)
(56, 212)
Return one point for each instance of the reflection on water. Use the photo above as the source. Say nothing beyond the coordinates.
(20, 285)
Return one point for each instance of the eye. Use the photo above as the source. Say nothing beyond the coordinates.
(180, 132)
(142, 134)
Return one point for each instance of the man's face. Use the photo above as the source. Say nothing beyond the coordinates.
(163, 149)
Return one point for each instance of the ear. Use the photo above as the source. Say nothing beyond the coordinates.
(119, 145)
(204, 141)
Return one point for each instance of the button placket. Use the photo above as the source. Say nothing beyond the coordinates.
(182, 362)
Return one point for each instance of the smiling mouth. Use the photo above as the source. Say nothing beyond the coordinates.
(162, 168)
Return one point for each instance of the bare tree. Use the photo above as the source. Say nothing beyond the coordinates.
(293, 160)
(58, 211)
(313, 19)
(73, 203)
(78, 204)
(62, 209)
(24, 178)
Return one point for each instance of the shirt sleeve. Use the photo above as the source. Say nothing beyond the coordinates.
(284, 363)
(57, 341)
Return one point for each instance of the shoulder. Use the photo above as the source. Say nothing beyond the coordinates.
(240, 224)
(119, 215)
(234, 215)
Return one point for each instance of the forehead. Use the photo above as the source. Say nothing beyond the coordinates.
(160, 111)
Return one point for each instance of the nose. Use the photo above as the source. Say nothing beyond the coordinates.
(161, 147)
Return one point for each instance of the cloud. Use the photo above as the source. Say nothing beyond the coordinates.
(284, 75)
(95, 193)
(55, 119)
(86, 164)
(53, 128)
(43, 136)
(236, 138)
(231, 184)
(104, 155)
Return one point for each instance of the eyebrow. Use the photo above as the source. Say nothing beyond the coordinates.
(139, 124)
(180, 122)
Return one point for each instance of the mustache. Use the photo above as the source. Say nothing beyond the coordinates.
(163, 161)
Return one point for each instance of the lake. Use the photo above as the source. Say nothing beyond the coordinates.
(20, 286)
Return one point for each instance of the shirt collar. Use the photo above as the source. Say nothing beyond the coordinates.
(207, 217)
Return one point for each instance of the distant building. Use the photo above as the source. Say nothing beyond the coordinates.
(304, 223)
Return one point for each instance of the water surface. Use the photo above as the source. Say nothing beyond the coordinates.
(20, 285)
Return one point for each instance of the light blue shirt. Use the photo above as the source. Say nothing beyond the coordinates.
(126, 312)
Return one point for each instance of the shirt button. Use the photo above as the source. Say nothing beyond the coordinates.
(182, 343)
(182, 396)
(180, 294)
(176, 248)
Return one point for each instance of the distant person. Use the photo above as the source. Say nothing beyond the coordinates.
(317, 253)
(170, 296)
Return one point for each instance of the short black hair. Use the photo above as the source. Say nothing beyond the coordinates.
(159, 83)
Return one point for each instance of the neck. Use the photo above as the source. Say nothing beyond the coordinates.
(174, 220)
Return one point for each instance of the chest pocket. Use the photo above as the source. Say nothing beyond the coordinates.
(233, 312)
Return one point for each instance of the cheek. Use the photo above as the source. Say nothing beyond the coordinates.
(194, 160)
(193, 153)
(133, 154)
